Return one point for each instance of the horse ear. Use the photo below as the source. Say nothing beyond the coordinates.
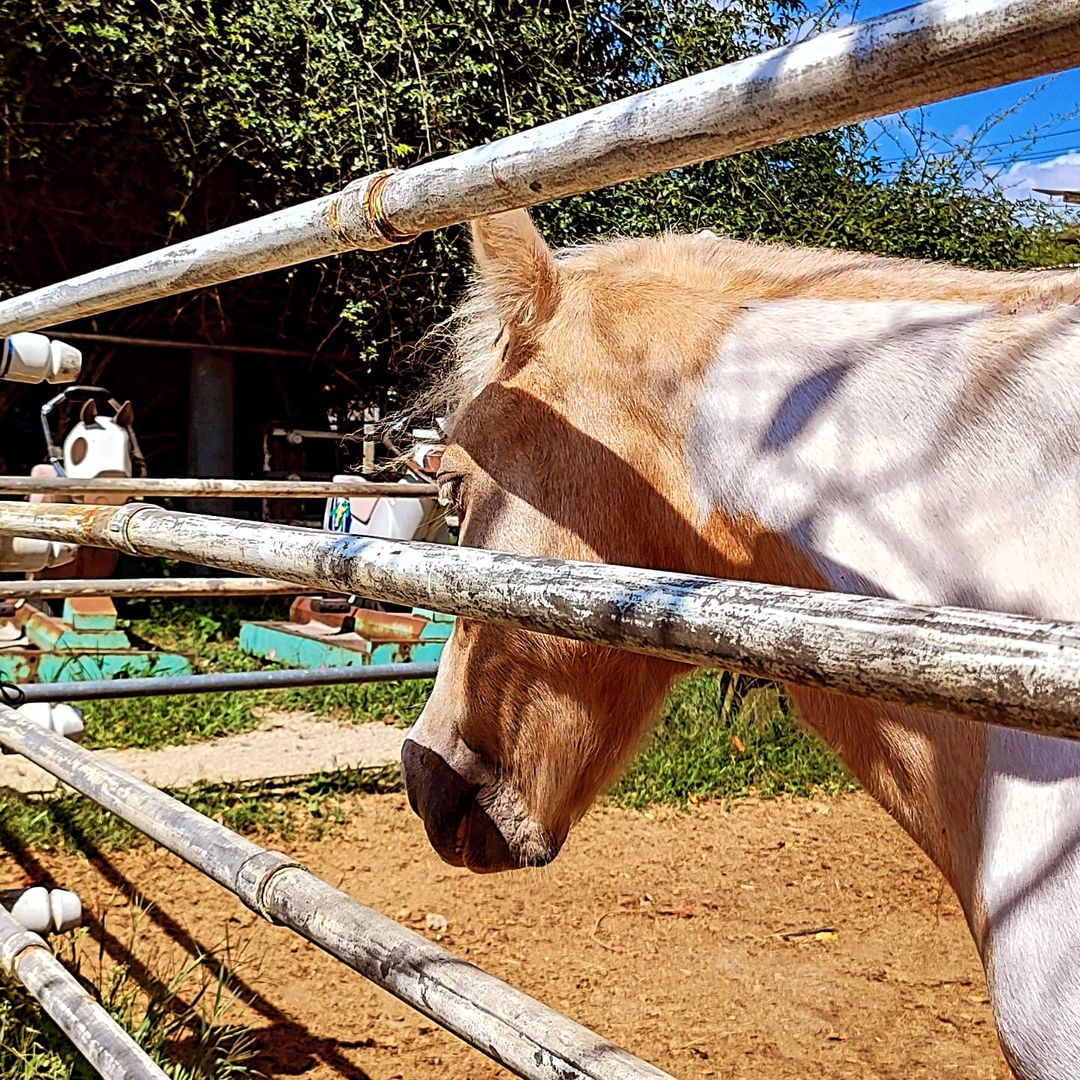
(516, 266)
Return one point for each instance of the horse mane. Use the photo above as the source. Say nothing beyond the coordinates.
(473, 338)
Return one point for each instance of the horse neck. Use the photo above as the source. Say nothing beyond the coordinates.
(843, 446)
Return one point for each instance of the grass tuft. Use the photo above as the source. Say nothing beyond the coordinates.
(723, 736)
(182, 1025)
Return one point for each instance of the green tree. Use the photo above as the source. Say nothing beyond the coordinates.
(125, 125)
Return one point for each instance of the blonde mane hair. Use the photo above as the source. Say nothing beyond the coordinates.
(473, 339)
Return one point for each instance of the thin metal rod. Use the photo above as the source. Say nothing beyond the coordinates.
(205, 346)
(111, 1051)
(903, 59)
(190, 587)
(220, 682)
(514, 1029)
(207, 488)
(996, 668)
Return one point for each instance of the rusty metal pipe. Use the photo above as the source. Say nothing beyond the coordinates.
(914, 56)
(996, 668)
(208, 488)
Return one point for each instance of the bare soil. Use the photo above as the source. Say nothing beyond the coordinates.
(285, 745)
(768, 939)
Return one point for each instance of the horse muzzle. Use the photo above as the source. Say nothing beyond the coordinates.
(467, 821)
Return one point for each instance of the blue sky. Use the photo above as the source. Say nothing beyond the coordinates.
(1049, 108)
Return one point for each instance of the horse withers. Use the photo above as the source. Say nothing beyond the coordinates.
(800, 417)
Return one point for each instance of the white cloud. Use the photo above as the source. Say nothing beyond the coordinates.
(1062, 174)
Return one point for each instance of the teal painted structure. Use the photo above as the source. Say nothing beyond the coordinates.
(306, 646)
(84, 643)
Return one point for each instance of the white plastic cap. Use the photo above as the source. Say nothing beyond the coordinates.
(63, 719)
(45, 911)
(33, 358)
(66, 362)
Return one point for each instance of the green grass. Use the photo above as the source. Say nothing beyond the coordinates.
(182, 1025)
(174, 720)
(74, 825)
(207, 631)
(723, 737)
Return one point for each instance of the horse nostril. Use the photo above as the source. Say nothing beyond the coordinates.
(438, 794)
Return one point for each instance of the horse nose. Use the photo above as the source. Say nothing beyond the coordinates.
(439, 795)
(459, 829)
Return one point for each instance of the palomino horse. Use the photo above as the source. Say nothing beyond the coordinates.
(809, 418)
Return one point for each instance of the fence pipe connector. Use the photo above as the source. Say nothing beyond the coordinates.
(43, 911)
(111, 1051)
(997, 668)
(525, 1036)
(900, 60)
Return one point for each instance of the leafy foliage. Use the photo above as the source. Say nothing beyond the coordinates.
(125, 125)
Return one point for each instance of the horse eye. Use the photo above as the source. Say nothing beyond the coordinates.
(449, 491)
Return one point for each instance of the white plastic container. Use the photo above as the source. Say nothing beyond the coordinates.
(385, 517)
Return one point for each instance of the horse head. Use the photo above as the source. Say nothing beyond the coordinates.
(559, 445)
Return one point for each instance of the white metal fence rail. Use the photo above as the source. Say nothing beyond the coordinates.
(915, 56)
(208, 488)
(1004, 669)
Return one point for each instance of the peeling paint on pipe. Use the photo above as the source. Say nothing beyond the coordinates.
(96, 1035)
(996, 668)
(508, 1026)
(914, 56)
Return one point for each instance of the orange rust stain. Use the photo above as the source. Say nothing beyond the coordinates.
(333, 215)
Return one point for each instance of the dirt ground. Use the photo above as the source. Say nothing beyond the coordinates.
(663, 931)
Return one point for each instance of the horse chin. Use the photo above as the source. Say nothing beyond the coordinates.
(524, 840)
